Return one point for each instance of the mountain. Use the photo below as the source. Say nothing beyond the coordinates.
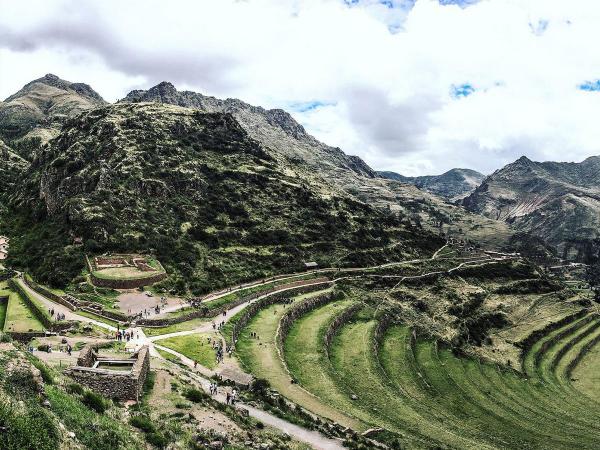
(557, 201)
(284, 138)
(13, 169)
(38, 110)
(220, 190)
(196, 190)
(452, 185)
(329, 171)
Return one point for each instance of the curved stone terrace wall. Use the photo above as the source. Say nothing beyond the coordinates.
(247, 314)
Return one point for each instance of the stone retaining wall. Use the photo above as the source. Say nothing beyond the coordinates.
(253, 309)
(550, 342)
(133, 283)
(117, 384)
(62, 300)
(26, 336)
(526, 344)
(337, 323)
(584, 351)
(293, 313)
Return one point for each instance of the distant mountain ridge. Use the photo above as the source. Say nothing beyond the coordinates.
(452, 185)
(557, 201)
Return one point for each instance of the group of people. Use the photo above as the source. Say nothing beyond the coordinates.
(124, 335)
(231, 398)
(59, 316)
(218, 326)
(213, 388)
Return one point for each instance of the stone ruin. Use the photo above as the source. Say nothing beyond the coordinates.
(112, 377)
(110, 262)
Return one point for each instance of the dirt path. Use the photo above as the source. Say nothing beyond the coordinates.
(58, 308)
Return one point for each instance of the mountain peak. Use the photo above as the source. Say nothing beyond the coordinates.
(523, 160)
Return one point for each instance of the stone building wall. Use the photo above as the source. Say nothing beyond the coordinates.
(112, 383)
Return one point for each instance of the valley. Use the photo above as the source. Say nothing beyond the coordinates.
(186, 272)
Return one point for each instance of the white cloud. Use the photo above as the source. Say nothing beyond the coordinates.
(384, 75)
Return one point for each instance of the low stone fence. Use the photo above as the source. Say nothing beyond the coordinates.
(122, 385)
(253, 309)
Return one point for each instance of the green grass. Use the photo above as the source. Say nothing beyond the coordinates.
(184, 326)
(19, 317)
(194, 346)
(93, 316)
(587, 374)
(260, 357)
(308, 363)
(3, 308)
(94, 431)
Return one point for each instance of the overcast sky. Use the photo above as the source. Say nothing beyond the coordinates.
(417, 87)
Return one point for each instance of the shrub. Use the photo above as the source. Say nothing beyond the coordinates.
(94, 401)
(74, 388)
(157, 439)
(5, 337)
(196, 396)
(143, 423)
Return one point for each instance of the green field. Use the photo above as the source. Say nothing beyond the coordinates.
(194, 346)
(183, 326)
(19, 317)
(424, 394)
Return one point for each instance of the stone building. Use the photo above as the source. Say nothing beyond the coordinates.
(121, 379)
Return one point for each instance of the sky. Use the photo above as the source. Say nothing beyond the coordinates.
(413, 86)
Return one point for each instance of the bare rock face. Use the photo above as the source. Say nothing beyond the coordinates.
(559, 202)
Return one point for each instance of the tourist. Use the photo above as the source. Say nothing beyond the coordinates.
(228, 398)
(69, 349)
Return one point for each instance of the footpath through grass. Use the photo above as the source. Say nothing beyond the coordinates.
(194, 346)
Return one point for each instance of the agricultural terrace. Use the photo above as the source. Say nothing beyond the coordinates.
(371, 363)
(15, 315)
